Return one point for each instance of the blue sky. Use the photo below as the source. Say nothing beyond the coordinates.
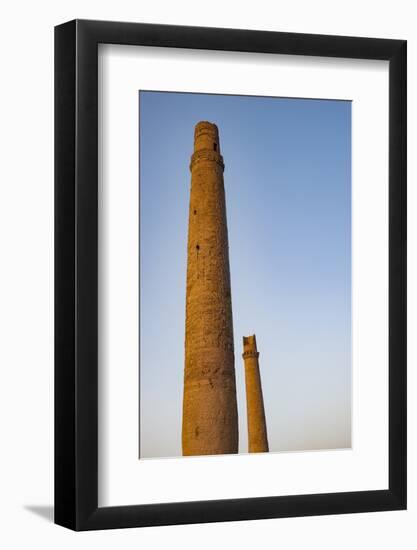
(288, 198)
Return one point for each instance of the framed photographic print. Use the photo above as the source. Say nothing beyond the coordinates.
(230, 252)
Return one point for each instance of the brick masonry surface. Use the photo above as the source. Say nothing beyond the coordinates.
(210, 420)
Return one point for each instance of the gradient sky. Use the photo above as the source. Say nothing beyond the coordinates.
(288, 198)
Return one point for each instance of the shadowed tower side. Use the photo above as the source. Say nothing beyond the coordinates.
(210, 422)
(257, 434)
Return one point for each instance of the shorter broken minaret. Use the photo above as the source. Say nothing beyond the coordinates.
(257, 435)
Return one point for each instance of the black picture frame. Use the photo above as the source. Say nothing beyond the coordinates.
(76, 272)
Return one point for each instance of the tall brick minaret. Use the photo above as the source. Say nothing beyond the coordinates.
(257, 435)
(210, 422)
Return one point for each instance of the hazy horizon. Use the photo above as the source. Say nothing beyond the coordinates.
(288, 197)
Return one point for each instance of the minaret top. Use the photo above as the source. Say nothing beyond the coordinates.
(206, 144)
(205, 124)
(249, 346)
(206, 136)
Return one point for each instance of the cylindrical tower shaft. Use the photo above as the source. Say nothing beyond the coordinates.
(210, 423)
(257, 434)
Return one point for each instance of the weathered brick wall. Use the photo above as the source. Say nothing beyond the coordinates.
(210, 422)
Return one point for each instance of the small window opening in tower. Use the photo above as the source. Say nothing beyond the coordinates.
(195, 211)
(215, 146)
(198, 247)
